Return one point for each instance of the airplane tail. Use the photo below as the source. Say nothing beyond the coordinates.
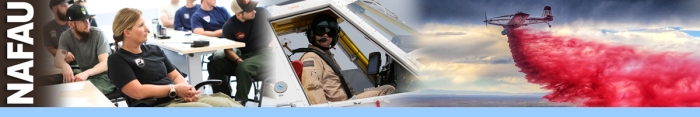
(547, 11)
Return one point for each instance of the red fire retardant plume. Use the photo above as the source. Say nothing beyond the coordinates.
(597, 74)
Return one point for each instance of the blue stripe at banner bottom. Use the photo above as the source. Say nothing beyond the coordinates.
(354, 112)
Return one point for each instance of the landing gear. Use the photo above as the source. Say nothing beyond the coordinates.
(504, 32)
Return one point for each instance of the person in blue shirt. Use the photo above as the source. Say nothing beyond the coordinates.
(209, 19)
(182, 16)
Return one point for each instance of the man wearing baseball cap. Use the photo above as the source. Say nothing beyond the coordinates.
(52, 30)
(209, 19)
(93, 22)
(248, 25)
(89, 47)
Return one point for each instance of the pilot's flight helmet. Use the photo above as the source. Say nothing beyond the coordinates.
(323, 24)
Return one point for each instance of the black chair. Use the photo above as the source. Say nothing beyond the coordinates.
(258, 89)
(206, 61)
(258, 92)
(115, 97)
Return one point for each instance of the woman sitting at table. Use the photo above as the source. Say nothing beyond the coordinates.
(144, 72)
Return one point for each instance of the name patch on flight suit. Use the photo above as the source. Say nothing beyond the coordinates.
(308, 63)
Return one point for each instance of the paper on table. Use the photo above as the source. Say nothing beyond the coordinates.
(75, 102)
(68, 101)
(71, 86)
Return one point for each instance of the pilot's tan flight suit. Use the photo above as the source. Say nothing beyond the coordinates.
(322, 85)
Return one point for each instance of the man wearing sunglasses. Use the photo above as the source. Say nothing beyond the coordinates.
(89, 47)
(320, 82)
(248, 25)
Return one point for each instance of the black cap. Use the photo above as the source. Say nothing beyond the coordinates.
(56, 2)
(238, 6)
(77, 12)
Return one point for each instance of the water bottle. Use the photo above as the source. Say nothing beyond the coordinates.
(163, 31)
(155, 27)
(158, 30)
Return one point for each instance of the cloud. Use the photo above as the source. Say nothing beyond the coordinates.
(480, 59)
(512, 79)
(659, 38)
(641, 12)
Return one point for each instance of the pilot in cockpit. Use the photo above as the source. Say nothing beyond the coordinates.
(319, 80)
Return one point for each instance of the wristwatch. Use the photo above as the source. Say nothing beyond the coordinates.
(172, 93)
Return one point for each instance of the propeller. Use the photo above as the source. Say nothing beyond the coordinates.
(485, 20)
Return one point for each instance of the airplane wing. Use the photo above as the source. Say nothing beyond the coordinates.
(537, 21)
(496, 24)
(518, 19)
(494, 21)
(521, 19)
(497, 19)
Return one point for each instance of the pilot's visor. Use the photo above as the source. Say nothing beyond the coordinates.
(326, 27)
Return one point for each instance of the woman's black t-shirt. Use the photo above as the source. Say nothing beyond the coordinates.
(148, 67)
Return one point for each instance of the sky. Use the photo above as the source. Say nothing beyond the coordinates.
(476, 57)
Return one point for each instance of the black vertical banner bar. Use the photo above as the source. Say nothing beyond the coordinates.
(23, 20)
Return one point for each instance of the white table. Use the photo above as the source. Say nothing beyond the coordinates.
(194, 55)
(77, 94)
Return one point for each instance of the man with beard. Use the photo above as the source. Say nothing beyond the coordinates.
(89, 47)
(53, 29)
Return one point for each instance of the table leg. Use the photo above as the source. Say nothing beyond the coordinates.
(194, 62)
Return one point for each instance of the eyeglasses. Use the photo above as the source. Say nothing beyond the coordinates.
(326, 27)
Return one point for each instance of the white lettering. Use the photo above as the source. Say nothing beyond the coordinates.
(19, 54)
(12, 71)
(20, 5)
(12, 33)
(22, 88)
(18, 98)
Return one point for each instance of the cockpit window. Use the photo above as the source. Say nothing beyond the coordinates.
(406, 43)
(393, 29)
